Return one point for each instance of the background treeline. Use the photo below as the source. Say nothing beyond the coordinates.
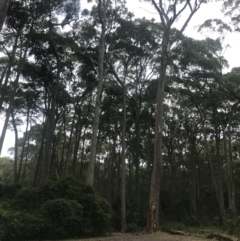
(49, 69)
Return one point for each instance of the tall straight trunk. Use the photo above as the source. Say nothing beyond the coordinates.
(153, 224)
(23, 146)
(4, 4)
(137, 161)
(193, 177)
(52, 113)
(103, 6)
(40, 158)
(25, 162)
(82, 153)
(15, 179)
(79, 126)
(232, 200)
(218, 172)
(167, 22)
(69, 150)
(111, 171)
(123, 177)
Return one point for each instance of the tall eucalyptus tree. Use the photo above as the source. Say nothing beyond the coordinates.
(169, 12)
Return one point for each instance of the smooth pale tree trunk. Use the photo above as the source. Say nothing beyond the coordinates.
(153, 223)
(229, 165)
(51, 115)
(15, 178)
(232, 202)
(218, 172)
(26, 159)
(123, 178)
(23, 146)
(193, 177)
(69, 150)
(137, 161)
(4, 4)
(40, 158)
(103, 6)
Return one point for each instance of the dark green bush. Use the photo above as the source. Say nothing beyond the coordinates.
(62, 218)
(55, 210)
(19, 226)
(8, 191)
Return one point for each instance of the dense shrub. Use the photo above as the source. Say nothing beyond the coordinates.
(55, 210)
(8, 191)
(62, 218)
(19, 225)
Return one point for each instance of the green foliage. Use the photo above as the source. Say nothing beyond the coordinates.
(6, 170)
(232, 226)
(55, 210)
(62, 218)
(8, 191)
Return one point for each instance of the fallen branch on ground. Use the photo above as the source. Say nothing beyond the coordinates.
(176, 232)
(221, 236)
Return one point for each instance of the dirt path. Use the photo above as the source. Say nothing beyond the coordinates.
(161, 236)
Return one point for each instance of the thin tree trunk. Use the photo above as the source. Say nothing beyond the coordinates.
(14, 91)
(40, 158)
(218, 173)
(23, 146)
(26, 158)
(51, 117)
(4, 4)
(69, 150)
(102, 15)
(15, 179)
(232, 201)
(123, 181)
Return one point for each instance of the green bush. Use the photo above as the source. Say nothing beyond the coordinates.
(62, 218)
(55, 210)
(19, 225)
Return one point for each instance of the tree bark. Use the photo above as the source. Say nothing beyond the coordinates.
(23, 146)
(102, 15)
(167, 22)
(15, 179)
(4, 4)
(52, 112)
(123, 178)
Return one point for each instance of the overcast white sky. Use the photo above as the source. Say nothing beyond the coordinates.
(210, 10)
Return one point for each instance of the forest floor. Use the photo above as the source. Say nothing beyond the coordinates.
(160, 236)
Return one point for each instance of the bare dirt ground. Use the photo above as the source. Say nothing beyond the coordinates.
(160, 236)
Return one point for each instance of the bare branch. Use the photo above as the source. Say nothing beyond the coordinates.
(159, 11)
(194, 10)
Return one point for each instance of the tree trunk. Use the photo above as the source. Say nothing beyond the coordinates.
(193, 176)
(15, 179)
(153, 224)
(14, 91)
(102, 15)
(218, 172)
(51, 115)
(123, 181)
(232, 200)
(4, 4)
(23, 146)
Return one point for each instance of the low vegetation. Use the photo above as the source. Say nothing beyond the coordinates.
(54, 210)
